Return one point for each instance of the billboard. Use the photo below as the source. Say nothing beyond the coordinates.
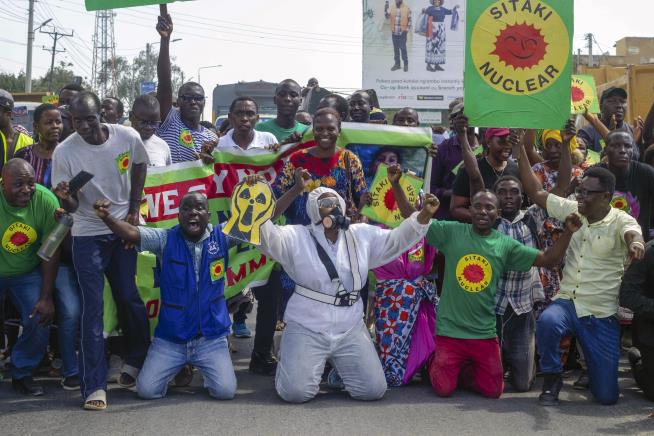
(414, 51)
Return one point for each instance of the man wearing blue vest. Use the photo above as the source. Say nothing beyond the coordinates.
(193, 325)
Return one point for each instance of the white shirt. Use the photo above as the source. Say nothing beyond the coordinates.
(110, 163)
(158, 151)
(260, 140)
(293, 247)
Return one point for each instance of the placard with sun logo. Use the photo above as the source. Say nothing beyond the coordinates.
(518, 63)
(384, 208)
(583, 94)
(474, 273)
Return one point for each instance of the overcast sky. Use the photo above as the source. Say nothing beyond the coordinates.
(259, 39)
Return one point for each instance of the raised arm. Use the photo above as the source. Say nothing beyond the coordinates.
(532, 187)
(401, 238)
(554, 255)
(594, 121)
(469, 159)
(164, 73)
(565, 164)
(126, 231)
(302, 177)
(530, 146)
(394, 175)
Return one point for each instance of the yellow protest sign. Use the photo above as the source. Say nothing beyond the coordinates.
(384, 208)
(252, 205)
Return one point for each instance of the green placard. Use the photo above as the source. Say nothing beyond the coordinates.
(96, 5)
(518, 63)
(384, 207)
(583, 94)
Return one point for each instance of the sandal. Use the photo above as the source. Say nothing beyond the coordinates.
(96, 401)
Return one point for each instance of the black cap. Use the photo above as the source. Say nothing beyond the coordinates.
(613, 90)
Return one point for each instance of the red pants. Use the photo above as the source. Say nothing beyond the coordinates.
(475, 364)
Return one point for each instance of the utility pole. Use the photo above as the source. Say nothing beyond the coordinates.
(30, 42)
(589, 38)
(56, 36)
(148, 62)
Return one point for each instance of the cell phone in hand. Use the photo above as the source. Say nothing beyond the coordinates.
(76, 183)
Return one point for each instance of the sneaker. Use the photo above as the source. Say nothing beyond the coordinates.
(126, 381)
(263, 364)
(184, 376)
(70, 383)
(334, 380)
(241, 330)
(395, 67)
(27, 386)
(582, 382)
(551, 387)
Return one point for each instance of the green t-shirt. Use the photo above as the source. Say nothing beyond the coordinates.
(473, 266)
(280, 133)
(22, 231)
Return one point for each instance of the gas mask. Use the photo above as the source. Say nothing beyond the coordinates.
(336, 220)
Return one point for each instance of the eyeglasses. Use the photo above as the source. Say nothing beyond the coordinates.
(585, 192)
(328, 203)
(190, 98)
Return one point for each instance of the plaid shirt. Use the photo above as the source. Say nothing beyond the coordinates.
(518, 288)
(397, 28)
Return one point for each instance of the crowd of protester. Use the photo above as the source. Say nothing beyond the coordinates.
(525, 258)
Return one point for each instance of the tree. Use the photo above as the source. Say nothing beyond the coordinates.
(62, 75)
(129, 75)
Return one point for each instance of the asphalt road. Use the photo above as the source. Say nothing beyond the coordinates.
(257, 411)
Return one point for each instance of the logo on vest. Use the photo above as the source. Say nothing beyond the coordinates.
(213, 248)
(217, 270)
(18, 237)
(474, 273)
(519, 47)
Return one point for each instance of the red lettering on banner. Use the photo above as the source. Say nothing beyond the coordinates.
(254, 265)
(235, 278)
(152, 309)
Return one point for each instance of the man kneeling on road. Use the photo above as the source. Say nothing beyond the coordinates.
(193, 322)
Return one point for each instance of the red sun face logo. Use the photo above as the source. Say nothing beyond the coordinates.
(19, 238)
(218, 269)
(577, 94)
(389, 200)
(473, 273)
(520, 46)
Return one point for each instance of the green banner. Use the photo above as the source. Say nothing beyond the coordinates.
(96, 5)
(518, 63)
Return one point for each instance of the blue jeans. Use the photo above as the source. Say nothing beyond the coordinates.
(599, 339)
(67, 306)
(165, 359)
(96, 257)
(24, 291)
